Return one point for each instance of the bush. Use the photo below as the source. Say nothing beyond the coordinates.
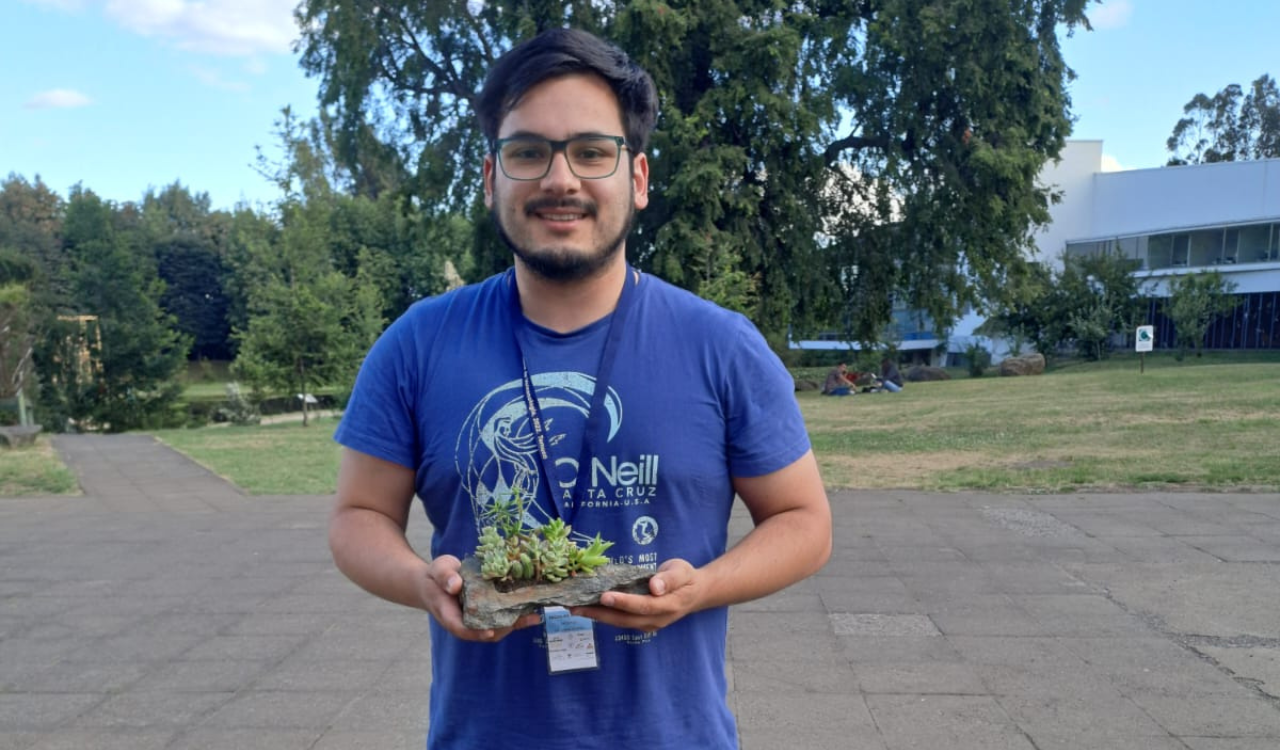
(978, 359)
(237, 410)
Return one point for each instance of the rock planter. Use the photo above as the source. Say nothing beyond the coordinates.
(485, 606)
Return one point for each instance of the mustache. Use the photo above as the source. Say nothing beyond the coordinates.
(541, 204)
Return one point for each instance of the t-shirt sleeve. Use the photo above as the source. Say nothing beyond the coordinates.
(378, 419)
(766, 429)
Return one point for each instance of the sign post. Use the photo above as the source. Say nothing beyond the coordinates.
(1143, 341)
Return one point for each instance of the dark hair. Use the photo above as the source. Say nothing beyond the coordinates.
(561, 52)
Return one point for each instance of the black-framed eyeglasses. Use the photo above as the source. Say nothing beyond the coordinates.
(590, 157)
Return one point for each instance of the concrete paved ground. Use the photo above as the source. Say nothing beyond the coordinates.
(164, 609)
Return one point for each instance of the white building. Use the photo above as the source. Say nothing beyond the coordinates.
(1169, 221)
(1178, 220)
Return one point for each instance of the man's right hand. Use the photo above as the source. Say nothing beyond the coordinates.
(440, 590)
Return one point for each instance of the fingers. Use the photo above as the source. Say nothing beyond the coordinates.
(672, 595)
(444, 571)
(444, 584)
(673, 575)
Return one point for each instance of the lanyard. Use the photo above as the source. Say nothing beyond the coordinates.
(592, 437)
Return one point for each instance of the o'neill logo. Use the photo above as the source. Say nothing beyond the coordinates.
(644, 530)
(625, 473)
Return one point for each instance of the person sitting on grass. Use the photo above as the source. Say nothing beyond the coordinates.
(838, 382)
(890, 375)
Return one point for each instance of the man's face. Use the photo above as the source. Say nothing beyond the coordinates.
(564, 227)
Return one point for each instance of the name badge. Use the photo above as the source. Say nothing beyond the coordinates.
(571, 641)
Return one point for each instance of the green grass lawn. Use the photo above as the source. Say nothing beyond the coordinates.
(1208, 423)
(277, 459)
(1196, 424)
(35, 470)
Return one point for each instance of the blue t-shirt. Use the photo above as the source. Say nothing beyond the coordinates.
(694, 398)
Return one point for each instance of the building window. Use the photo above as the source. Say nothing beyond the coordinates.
(1206, 248)
(1130, 249)
(1181, 246)
(1160, 251)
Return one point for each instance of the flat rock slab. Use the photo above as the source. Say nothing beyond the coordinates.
(484, 606)
(19, 436)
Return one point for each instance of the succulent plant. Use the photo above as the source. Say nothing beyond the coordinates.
(508, 552)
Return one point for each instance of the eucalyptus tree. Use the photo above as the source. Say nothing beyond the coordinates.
(1235, 124)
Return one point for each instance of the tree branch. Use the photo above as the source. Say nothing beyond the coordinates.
(832, 153)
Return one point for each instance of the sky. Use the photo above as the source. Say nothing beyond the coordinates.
(126, 96)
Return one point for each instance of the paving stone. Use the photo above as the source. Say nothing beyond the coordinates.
(799, 711)
(984, 614)
(878, 625)
(959, 722)
(1243, 715)
(204, 676)
(377, 710)
(272, 709)
(311, 674)
(1258, 666)
(26, 711)
(239, 739)
(151, 710)
(344, 740)
(772, 675)
(920, 679)
(818, 737)
(1228, 743)
(79, 739)
(954, 621)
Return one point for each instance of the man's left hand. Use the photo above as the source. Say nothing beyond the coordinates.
(673, 593)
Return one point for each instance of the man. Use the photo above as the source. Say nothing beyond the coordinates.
(838, 382)
(602, 396)
(890, 375)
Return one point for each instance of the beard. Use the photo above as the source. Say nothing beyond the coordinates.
(564, 264)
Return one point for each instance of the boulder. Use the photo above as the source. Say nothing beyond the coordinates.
(807, 385)
(925, 373)
(484, 606)
(1027, 364)
(18, 436)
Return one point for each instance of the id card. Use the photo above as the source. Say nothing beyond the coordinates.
(571, 641)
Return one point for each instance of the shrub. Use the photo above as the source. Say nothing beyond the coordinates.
(978, 358)
(237, 410)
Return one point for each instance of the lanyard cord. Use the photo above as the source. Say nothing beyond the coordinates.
(592, 439)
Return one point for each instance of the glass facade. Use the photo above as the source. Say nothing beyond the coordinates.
(1200, 248)
(1253, 324)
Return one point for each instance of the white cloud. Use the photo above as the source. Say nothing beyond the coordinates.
(1112, 14)
(240, 28)
(1111, 164)
(68, 5)
(213, 79)
(255, 66)
(58, 99)
(220, 27)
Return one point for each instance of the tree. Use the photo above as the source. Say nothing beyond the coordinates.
(1084, 303)
(1194, 301)
(15, 338)
(188, 241)
(1232, 125)
(296, 337)
(110, 359)
(295, 340)
(834, 154)
(31, 230)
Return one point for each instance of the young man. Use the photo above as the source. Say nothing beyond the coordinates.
(838, 382)
(610, 399)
